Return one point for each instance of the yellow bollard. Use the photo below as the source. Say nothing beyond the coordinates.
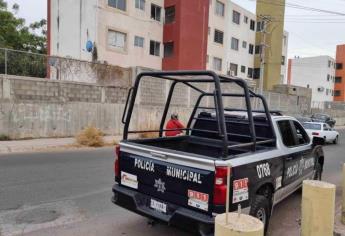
(318, 200)
(238, 225)
(343, 202)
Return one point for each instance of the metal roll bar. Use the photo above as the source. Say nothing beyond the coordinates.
(186, 78)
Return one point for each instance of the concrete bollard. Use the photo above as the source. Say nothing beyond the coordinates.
(318, 199)
(238, 225)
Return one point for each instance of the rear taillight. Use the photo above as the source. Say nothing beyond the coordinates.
(220, 185)
(116, 163)
(315, 133)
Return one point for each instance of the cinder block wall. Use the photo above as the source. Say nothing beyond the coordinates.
(35, 108)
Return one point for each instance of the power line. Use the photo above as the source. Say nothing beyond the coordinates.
(301, 7)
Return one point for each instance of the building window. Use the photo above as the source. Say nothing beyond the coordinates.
(138, 41)
(338, 80)
(117, 39)
(220, 8)
(234, 43)
(337, 93)
(328, 77)
(168, 49)
(257, 49)
(119, 4)
(244, 44)
(259, 26)
(155, 48)
(236, 16)
(169, 15)
(245, 19)
(283, 60)
(217, 64)
(218, 36)
(256, 74)
(140, 4)
(155, 12)
(329, 63)
(339, 66)
(233, 69)
(252, 25)
(251, 49)
(243, 69)
(250, 73)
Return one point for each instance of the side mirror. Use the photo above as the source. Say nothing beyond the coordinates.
(318, 141)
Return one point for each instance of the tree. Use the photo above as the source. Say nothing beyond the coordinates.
(15, 34)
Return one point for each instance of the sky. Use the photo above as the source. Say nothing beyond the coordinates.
(30, 10)
(307, 36)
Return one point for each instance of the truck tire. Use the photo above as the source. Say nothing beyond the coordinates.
(260, 208)
(318, 172)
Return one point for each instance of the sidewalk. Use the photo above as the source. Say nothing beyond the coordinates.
(46, 144)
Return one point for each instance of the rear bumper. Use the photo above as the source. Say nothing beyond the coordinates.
(176, 215)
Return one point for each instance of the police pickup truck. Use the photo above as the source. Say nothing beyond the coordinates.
(182, 180)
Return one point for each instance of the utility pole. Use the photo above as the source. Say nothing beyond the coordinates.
(264, 23)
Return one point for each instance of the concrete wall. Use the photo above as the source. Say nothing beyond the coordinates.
(35, 108)
(67, 69)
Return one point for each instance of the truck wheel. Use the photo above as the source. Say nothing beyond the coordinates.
(260, 208)
(318, 172)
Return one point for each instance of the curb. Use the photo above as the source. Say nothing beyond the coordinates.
(44, 145)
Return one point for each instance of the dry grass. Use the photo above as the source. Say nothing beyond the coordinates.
(150, 134)
(91, 137)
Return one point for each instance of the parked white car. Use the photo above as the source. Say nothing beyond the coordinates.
(321, 130)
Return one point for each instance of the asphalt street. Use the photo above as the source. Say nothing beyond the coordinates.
(68, 193)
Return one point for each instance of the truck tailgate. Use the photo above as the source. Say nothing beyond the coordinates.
(166, 182)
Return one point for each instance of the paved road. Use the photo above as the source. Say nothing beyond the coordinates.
(68, 193)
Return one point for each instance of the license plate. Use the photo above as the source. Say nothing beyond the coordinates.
(158, 206)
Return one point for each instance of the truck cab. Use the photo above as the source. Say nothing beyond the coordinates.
(182, 180)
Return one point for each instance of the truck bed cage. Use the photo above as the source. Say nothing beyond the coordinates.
(188, 77)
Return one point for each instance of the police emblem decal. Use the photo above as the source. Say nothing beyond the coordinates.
(160, 185)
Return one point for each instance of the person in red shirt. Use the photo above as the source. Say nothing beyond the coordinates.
(174, 123)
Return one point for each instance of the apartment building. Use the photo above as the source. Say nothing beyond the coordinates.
(316, 73)
(231, 39)
(339, 86)
(125, 33)
(160, 34)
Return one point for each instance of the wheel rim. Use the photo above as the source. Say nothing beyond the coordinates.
(261, 215)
